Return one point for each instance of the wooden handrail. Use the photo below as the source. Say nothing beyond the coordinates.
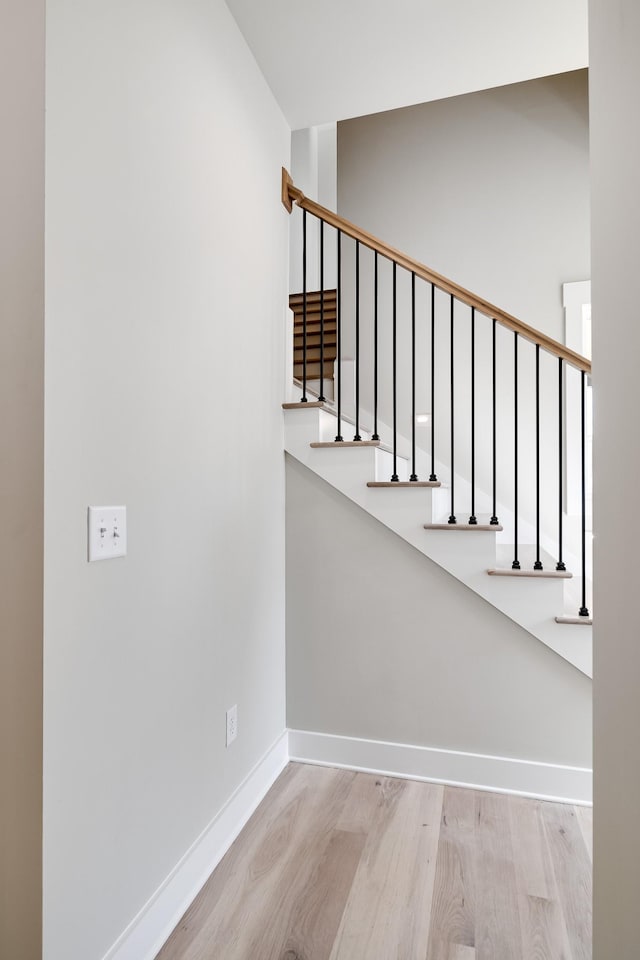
(291, 194)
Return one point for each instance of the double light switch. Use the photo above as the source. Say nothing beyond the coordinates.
(107, 533)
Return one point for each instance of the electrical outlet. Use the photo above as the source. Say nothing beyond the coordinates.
(232, 724)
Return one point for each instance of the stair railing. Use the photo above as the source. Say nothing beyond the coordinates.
(436, 331)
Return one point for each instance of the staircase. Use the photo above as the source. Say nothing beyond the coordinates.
(320, 337)
(508, 549)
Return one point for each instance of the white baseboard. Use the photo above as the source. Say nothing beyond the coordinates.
(544, 781)
(148, 931)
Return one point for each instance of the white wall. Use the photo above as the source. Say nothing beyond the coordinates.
(304, 171)
(314, 170)
(21, 473)
(332, 60)
(615, 143)
(328, 165)
(383, 644)
(166, 297)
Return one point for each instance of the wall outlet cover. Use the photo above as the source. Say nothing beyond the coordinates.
(232, 724)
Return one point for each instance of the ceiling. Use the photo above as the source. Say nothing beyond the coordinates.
(328, 60)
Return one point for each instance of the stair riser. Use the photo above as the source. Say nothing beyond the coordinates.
(467, 554)
(343, 468)
(304, 426)
(314, 341)
(313, 371)
(399, 507)
(520, 597)
(384, 466)
(313, 387)
(313, 355)
(314, 330)
(315, 317)
(296, 300)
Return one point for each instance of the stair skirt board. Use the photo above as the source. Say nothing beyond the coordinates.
(508, 572)
(151, 927)
(534, 609)
(527, 778)
(473, 527)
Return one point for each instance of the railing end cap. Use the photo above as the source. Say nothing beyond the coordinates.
(290, 193)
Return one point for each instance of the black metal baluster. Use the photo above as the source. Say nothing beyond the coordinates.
(516, 563)
(321, 397)
(473, 520)
(414, 475)
(560, 565)
(494, 516)
(357, 436)
(339, 437)
(304, 307)
(394, 476)
(538, 563)
(374, 435)
(452, 516)
(584, 612)
(433, 478)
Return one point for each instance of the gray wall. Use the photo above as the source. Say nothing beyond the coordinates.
(490, 189)
(21, 473)
(615, 148)
(163, 389)
(395, 649)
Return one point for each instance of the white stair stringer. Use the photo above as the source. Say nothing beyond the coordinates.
(533, 603)
(527, 533)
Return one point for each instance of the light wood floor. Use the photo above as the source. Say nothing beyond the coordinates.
(336, 865)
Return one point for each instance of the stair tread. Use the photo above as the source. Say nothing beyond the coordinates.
(315, 327)
(313, 353)
(473, 527)
(315, 310)
(313, 295)
(345, 443)
(315, 338)
(327, 359)
(298, 405)
(579, 621)
(403, 483)
(326, 363)
(541, 574)
(313, 370)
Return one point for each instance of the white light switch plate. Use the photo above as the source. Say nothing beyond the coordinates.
(107, 533)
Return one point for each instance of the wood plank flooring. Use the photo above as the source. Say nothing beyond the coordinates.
(337, 865)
